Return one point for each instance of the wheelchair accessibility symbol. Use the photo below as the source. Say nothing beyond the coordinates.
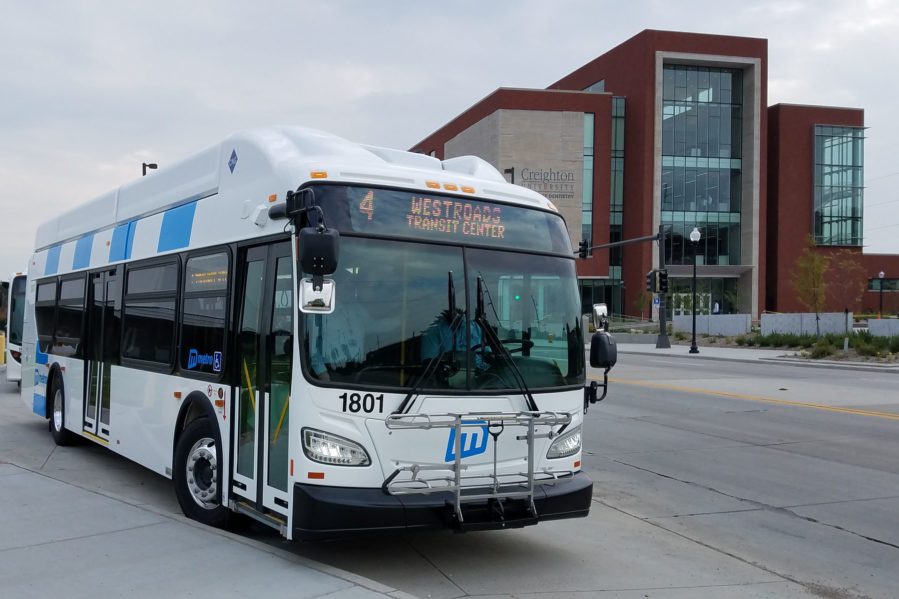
(473, 442)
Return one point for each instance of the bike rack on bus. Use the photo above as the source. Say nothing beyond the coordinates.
(519, 485)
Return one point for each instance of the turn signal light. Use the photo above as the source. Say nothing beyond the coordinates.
(319, 174)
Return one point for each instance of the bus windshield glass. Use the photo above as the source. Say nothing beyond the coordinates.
(406, 318)
(17, 310)
(433, 217)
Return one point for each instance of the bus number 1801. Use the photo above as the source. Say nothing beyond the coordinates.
(355, 402)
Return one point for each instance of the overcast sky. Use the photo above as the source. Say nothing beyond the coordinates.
(90, 89)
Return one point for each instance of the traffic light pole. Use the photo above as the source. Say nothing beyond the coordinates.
(662, 341)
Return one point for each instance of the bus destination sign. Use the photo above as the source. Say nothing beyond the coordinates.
(455, 217)
(419, 215)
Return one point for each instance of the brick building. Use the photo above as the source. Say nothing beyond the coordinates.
(674, 129)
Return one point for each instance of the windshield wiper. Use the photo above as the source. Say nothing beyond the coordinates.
(495, 341)
(428, 371)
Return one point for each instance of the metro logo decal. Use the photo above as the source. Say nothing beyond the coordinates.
(473, 442)
(195, 358)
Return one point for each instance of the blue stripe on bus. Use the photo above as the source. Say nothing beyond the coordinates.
(40, 357)
(39, 405)
(83, 247)
(122, 242)
(52, 265)
(176, 227)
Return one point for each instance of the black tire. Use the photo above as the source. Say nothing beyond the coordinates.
(199, 488)
(57, 412)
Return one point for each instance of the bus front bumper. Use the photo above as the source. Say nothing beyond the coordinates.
(328, 512)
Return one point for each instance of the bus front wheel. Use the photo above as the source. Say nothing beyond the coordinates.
(198, 474)
(58, 413)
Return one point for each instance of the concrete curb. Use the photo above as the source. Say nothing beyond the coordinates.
(782, 360)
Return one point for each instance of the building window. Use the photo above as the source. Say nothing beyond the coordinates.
(888, 284)
(839, 180)
(598, 87)
(616, 184)
(702, 140)
(587, 197)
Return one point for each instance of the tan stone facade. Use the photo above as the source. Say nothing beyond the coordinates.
(546, 149)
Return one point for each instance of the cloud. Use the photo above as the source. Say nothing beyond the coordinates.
(92, 89)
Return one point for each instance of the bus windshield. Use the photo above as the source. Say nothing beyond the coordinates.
(16, 310)
(405, 317)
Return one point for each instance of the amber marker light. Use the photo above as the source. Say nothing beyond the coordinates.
(432, 184)
(319, 174)
(450, 187)
(273, 198)
(177, 394)
(467, 189)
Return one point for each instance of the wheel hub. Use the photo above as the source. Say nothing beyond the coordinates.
(202, 473)
(57, 410)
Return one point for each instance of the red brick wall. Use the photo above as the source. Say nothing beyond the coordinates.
(791, 163)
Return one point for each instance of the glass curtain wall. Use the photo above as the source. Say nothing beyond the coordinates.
(839, 185)
(587, 197)
(702, 117)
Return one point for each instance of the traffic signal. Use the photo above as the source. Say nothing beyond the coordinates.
(663, 281)
(651, 281)
(583, 249)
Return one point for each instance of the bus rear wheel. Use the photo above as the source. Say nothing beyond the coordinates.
(61, 436)
(198, 474)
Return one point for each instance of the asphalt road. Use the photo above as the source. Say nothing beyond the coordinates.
(712, 479)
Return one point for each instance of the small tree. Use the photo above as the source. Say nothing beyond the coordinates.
(846, 281)
(642, 301)
(809, 280)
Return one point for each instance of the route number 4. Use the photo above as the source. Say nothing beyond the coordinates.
(367, 205)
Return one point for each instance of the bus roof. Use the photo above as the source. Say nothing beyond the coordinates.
(284, 155)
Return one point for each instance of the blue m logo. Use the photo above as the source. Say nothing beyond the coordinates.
(473, 442)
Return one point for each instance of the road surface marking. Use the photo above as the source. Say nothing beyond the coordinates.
(783, 402)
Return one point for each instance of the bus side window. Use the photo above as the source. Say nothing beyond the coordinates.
(45, 313)
(149, 319)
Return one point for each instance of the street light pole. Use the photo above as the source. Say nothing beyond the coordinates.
(695, 235)
(881, 275)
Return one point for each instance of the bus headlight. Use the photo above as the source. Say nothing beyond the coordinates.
(330, 449)
(566, 445)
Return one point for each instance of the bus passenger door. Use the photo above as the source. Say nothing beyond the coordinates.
(264, 357)
(104, 313)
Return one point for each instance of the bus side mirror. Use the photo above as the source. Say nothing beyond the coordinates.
(318, 249)
(603, 350)
(600, 317)
(317, 301)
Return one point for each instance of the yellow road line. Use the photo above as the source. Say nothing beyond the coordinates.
(782, 402)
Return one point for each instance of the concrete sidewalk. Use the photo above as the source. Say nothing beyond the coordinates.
(751, 354)
(58, 539)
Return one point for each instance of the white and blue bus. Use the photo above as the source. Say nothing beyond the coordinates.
(327, 337)
(15, 316)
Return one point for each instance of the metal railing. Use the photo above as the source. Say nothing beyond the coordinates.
(469, 489)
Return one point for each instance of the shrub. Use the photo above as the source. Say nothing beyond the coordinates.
(741, 340)
(822, 349)
(680, 335)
